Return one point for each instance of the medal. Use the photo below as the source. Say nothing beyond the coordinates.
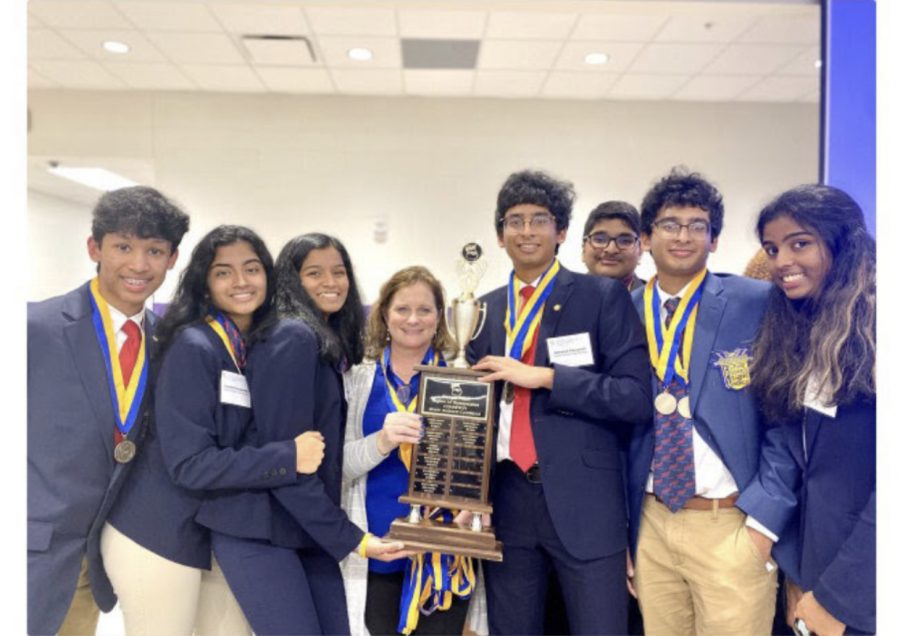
(509, 393)
(665, 403)
(684, 407)
(125, 451)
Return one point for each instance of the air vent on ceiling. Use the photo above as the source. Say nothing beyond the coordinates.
(279, 50)
(433, 54)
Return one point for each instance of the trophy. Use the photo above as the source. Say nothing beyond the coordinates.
(450, 467)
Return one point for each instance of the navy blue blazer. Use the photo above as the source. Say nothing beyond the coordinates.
(73, 480)
(829, 547)
(729, 420)
(578, 424)
(246, 461)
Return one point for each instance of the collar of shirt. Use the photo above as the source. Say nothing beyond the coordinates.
(664, 296)
(118, 320)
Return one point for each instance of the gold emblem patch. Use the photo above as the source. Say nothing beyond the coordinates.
(735, 366)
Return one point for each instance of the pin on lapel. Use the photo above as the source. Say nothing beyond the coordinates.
(557, 307)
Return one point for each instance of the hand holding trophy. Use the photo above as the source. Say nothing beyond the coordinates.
(450, 467)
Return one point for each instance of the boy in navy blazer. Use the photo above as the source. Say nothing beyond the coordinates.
(78, 453)
(574, 379)
(705, 497)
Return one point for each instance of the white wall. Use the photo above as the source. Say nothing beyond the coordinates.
(430, 168)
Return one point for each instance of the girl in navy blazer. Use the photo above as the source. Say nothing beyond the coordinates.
(814, 371)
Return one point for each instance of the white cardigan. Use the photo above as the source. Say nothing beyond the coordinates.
(360, 456)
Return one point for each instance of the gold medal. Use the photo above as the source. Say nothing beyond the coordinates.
(125, 451)
(684, 407)
(665, 403)
(509, 392)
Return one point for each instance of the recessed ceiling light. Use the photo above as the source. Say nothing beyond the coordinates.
(97, 178)
(359, 54)
(596, 58)
(818, 63)
(114, 46)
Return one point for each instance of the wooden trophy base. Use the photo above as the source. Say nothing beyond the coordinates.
(430, 535)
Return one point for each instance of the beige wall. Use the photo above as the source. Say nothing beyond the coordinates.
(429, 168)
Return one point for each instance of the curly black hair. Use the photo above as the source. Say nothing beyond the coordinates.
(538, 188)
(680, 189)
(140, 211)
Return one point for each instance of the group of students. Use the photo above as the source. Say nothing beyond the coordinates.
(234, 466)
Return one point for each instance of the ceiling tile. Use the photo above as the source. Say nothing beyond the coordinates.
(780, 89)
(296, 80)
(81, 74)
(36, 80)
(785, 29)
(716, 88)
(620, 54)
(152, 76)
(565, 84)
(326, 21)
(803, 64)
(368, 82)
(385, 52)
(279, 52)
(508, 83)
(438, 82)
(78, 14)
(675, 58)
(638, 86)
(45, 44)
(261, 19)
(704, 28)
(170, 16)
(517, 54)
(223, 78)
(752, 59)
(618, 28)
(197, 48)
(34, 22)
(811, 97)
(91, 42)
(530, 25)
(415, 23)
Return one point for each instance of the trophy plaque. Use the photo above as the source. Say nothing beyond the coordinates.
(451, 465)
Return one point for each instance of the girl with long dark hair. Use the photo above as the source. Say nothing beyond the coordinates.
(814, 372)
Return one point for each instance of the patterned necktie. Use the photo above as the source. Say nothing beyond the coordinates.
(521, 439)
(128, 354)
(237, 341)
(673, 447)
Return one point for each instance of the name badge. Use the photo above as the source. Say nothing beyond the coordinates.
(233, 389)
(571, 351)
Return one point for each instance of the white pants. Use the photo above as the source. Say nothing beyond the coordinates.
(159, 597)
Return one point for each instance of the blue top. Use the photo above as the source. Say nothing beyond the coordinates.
(389, 479)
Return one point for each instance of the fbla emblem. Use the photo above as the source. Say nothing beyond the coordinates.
(735, 367)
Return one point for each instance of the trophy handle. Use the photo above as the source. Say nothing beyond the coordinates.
(482, 318)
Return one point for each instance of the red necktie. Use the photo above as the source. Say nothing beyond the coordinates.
(128, 355)
(521, 439)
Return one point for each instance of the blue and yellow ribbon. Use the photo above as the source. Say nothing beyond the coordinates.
(431, 579)
(216, 324)
(521, 325)
(126, 400)
(664, 343)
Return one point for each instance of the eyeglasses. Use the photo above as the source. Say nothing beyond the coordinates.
(602, 239)
(672, 228)
(539, 222)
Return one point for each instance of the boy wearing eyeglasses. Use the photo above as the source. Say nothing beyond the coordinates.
(705, 500)
(569, 357)
(611, 244)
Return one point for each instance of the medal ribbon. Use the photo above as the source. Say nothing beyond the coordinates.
(432, 578)
(126, 400)
(217, 324)
(430, 582)
(665, 342)
(522, 325)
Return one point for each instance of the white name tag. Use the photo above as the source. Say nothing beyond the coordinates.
(571, 351)
(233, 389)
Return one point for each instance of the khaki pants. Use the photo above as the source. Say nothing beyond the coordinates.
(159, 596)
(83, 614)
(697, 572)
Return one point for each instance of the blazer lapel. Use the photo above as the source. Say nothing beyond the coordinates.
(556, 301)
(712, 307)
(88, 359)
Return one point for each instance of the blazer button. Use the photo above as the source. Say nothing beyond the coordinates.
(282, 471)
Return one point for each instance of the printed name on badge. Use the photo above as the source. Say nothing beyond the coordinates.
(233, 389)
(571, 351)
